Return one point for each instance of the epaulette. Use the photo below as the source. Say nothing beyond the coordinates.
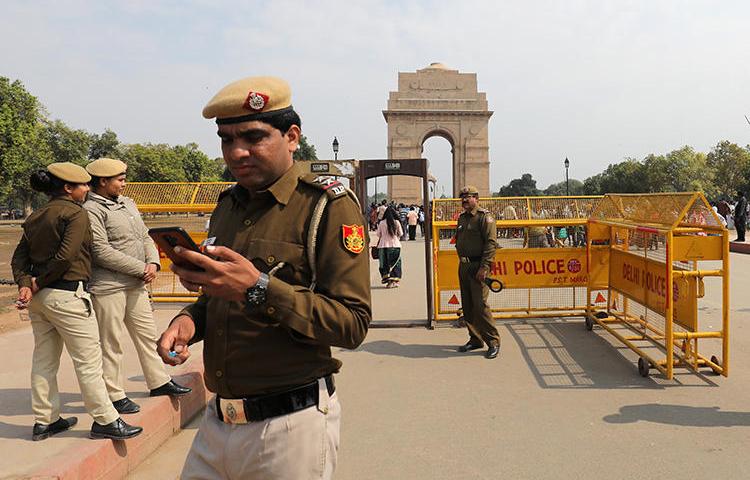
(328, 184)
(225, 193)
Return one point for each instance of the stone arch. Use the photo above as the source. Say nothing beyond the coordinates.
(450, 137)
(439, 101)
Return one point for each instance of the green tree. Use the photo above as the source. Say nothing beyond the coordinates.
(731, 165)
(196, 164)
(593, 185)
(520, 187)
(104, 145)
(559, 189)
(23, 144)
(153, 163)
(624, 177)
(66, 144)
(305, 151)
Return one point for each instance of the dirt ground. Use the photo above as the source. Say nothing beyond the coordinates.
(9, 319)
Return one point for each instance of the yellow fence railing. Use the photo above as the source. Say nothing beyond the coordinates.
(637, 265)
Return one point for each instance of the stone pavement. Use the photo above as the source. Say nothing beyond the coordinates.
(559, 402)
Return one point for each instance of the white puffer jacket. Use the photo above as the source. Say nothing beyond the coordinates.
(121, 247)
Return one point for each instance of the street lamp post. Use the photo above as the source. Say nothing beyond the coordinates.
(567, 182)
(335, 146)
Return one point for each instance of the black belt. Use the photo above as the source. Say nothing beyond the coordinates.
(262, 407)
(470, 259)
(70, 285)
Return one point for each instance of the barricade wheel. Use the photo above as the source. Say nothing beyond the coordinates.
(601, 315)
(643, 367)
(589, 323)
(715, 359)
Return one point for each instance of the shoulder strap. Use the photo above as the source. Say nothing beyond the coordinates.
(331, 190)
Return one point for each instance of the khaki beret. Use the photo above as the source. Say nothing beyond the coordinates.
(468, 190)
(106, 167)
(249, 99)
(69, 172)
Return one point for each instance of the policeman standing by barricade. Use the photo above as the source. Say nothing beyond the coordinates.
(476, 241)
(125, 259)
(285, 280)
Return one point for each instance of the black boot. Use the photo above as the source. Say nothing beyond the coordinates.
(117, 430)
(469, 346)
(125, 406)
(170, 388)
(43, 431)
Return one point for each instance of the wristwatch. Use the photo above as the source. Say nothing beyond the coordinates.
(256, 295)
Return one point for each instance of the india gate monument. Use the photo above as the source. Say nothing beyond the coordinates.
(439, 101)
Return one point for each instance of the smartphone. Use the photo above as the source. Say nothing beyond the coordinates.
(169, 237)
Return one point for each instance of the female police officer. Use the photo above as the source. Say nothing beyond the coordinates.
(52, 265)
(125, 259)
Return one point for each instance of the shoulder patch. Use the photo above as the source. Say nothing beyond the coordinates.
(328, 184)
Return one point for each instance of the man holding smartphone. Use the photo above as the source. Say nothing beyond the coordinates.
(285, 280)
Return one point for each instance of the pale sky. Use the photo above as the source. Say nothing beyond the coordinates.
(594, 81)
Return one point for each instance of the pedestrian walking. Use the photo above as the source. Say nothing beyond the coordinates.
(124, 261)
(284, 281)
(389, 249)
(52, 267)
(412, 218)
(740, 216)
(476, 242)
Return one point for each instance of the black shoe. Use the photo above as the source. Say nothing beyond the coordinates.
(117, 430)
(170, 388)
(43, 431)
(492, 351)
(125, 406)
(469, 347)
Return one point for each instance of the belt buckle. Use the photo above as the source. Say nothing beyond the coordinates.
(232, 411)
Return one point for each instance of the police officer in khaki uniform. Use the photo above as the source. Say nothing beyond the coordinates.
(125, 259)
(286, 279)
(476, 242)
(52, 266)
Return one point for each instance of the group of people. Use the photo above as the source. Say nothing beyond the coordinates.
(391, 224)
(82, 266)
(734, 215)
(410, 217)
(282, 280)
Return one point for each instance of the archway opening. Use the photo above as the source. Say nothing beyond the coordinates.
(438, 149)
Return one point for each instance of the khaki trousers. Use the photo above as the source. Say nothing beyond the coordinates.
(131, 310)
(477, 314)
(302, 445)
(61, 317)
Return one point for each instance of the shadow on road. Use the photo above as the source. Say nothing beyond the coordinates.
(389, 347)
(562, 354)
(679, 415)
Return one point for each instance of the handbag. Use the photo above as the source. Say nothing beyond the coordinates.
(374, 252)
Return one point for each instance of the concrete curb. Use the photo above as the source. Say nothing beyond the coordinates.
(160, 418)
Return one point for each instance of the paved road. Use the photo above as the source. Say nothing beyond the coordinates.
(560, 402)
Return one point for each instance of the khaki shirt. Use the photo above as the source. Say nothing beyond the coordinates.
(286, 341)
(121, 246)
(476, 236)
(56, 245)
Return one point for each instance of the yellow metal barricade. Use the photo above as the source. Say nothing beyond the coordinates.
(541, 278)
(175, 204)
(663, 250)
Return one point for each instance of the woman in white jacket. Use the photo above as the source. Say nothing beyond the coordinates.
(125, 259)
